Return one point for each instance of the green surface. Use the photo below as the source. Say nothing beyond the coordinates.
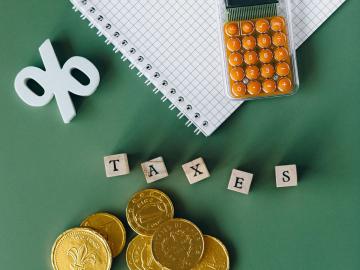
(52, 174)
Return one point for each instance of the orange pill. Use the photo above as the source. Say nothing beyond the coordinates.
(234, 44)
(238, 89)
(254, 88)
(237, 74)
(235, 59)
(281, 54)
(247, 27)
(232, 29)
(277, 24)
(266, 56)
(279, 39)
(269, 86)
(267, 71)
(285, 85)
(251, 57)
(262, 26)
(264, 41)
(283, 69)
(252, 72)
(249, 42)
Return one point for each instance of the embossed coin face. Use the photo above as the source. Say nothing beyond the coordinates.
(177, 244)
(148, 209)
(215, 255)
(110, 227)
(81, 248)
(139, 255)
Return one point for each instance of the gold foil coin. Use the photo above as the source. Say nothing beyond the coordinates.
(110, 227)
(178, 244)
(81, 248)
(139, 255)
(215, 255)
(148, 209)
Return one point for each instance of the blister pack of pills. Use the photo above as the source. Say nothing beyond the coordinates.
(259, 53)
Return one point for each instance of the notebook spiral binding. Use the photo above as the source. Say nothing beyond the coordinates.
(114, 37)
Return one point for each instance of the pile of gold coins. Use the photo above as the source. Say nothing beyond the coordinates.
(163, 242)
(91, 246)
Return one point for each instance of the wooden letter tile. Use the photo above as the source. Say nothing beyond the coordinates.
(286, 176)
(240, 181)
(196, 170)
(116, 165)
(154, 170)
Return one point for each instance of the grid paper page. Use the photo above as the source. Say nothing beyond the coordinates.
(308, 15)
(180, 38)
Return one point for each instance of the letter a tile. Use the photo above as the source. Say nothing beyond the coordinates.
(196, 171)
(240, 181)
(286, 176)
(154, 170)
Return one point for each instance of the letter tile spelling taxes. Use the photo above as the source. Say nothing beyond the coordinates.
(240, 181)
(154, 170)
(196, 170)
(286, 176)
(116, 165)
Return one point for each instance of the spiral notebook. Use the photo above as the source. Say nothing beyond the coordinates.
(175, 44)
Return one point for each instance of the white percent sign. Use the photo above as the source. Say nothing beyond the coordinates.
(57, 81)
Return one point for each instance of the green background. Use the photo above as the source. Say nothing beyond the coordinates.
(52, 175)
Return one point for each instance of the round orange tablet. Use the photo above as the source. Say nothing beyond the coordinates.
(254, 88)
(277, 24)
(238, 89)
(251, 57)
(279, 39)
(264, 41)
(262, 26)
(267, 71)
(252, 72)
(283, 69)
(281, 54)
(249, 42)
(234, 44)
(285, 85)
(232, 29)
(247, 27)
(269, 86)
(237, 74)
(266, 56)
(235, 59)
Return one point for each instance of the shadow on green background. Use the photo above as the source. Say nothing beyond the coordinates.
(52, 174)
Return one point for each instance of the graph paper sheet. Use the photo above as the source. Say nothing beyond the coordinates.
(178, 41)
(309, 15)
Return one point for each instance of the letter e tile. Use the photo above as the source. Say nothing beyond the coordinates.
(240, 181)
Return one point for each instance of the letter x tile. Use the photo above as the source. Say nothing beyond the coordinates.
(196, 171)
